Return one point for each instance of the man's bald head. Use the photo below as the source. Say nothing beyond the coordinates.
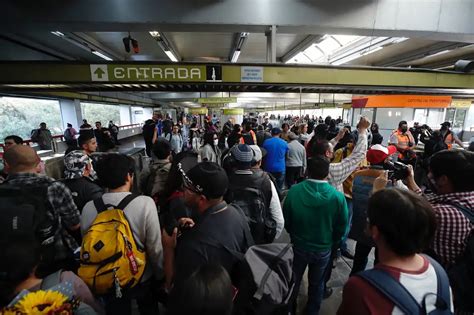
(21, 158)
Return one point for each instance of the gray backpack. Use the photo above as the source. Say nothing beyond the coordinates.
(55, 279)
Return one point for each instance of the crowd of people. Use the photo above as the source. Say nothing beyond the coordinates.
(211, 193)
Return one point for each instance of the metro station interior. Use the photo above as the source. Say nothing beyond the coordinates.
(289, 61)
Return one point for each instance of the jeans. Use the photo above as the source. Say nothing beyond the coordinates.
(292, 174)
(143, 293)
(317, 263)
(280, 180)
(361, 257)
(344, 239)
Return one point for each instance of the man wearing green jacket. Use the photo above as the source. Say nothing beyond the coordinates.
(316, 217)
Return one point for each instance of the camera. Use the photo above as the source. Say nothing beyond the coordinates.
(396, 170)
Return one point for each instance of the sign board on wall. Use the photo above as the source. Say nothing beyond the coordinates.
(217, 100)
(402, 101)
(251, 74)
(198, 111)
(139, 72)
(233, 111)
(461, 103)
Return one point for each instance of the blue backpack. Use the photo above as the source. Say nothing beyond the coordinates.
(399, 295)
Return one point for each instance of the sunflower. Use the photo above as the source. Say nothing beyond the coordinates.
(9, 311)
(41, 302)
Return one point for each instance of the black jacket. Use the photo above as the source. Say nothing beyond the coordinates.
(83, 190)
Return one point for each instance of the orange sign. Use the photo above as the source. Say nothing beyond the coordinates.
(397, 101)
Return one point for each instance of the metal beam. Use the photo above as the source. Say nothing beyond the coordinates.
(38, 47)
(114, 75)
(441, 20)
(271, 44)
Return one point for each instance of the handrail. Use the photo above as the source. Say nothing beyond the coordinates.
(60, 136)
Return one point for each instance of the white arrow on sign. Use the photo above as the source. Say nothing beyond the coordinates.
(99, 73)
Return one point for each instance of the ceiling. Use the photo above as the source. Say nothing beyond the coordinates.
(219, 46)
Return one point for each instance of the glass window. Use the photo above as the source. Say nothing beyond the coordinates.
(328, 45)
(420, 115)
(19, 116)
(346, 39)
(300, 58)
(450, 114)
(459, 118)
(435, 118)
(101, 112)
(314, 53)
(388, 118)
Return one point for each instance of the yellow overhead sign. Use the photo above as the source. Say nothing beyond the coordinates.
(217, 100)
(466, 103)
(198, 111)
(233, 111)
(72, 75)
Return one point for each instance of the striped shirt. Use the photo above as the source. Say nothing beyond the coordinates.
(339, 172)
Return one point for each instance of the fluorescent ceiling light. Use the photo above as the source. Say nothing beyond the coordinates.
(58, 33)
(235, 56)
(439, 53)
(101, 55)
(170, 55)
(154, 34)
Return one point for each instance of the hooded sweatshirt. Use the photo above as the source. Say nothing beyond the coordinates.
(316, 215)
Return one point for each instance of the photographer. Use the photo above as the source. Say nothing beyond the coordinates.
(382, 171)
(450, 176)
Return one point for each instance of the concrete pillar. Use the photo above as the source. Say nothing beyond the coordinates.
(71, 112)
(125, 115)
(271, 44)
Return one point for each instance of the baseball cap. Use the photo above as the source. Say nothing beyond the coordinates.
(75, 164)
(378, 153)
(208, 179)
(276, 131)
(259, 153)
(447, 124)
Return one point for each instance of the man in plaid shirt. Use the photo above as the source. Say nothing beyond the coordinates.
(339, 172)
(22, 162)
(450, 176)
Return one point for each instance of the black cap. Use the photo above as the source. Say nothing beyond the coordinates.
(447, 124)
(207, 178)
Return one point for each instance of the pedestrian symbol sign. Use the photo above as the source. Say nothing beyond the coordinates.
(99, 73)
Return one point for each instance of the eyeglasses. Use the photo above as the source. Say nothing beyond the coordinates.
(188, 183)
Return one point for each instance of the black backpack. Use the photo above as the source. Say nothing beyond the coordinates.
(254, 201)
(23, 215)
(68, 135)
(149, 128)
(399, 295)
(461, 274)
